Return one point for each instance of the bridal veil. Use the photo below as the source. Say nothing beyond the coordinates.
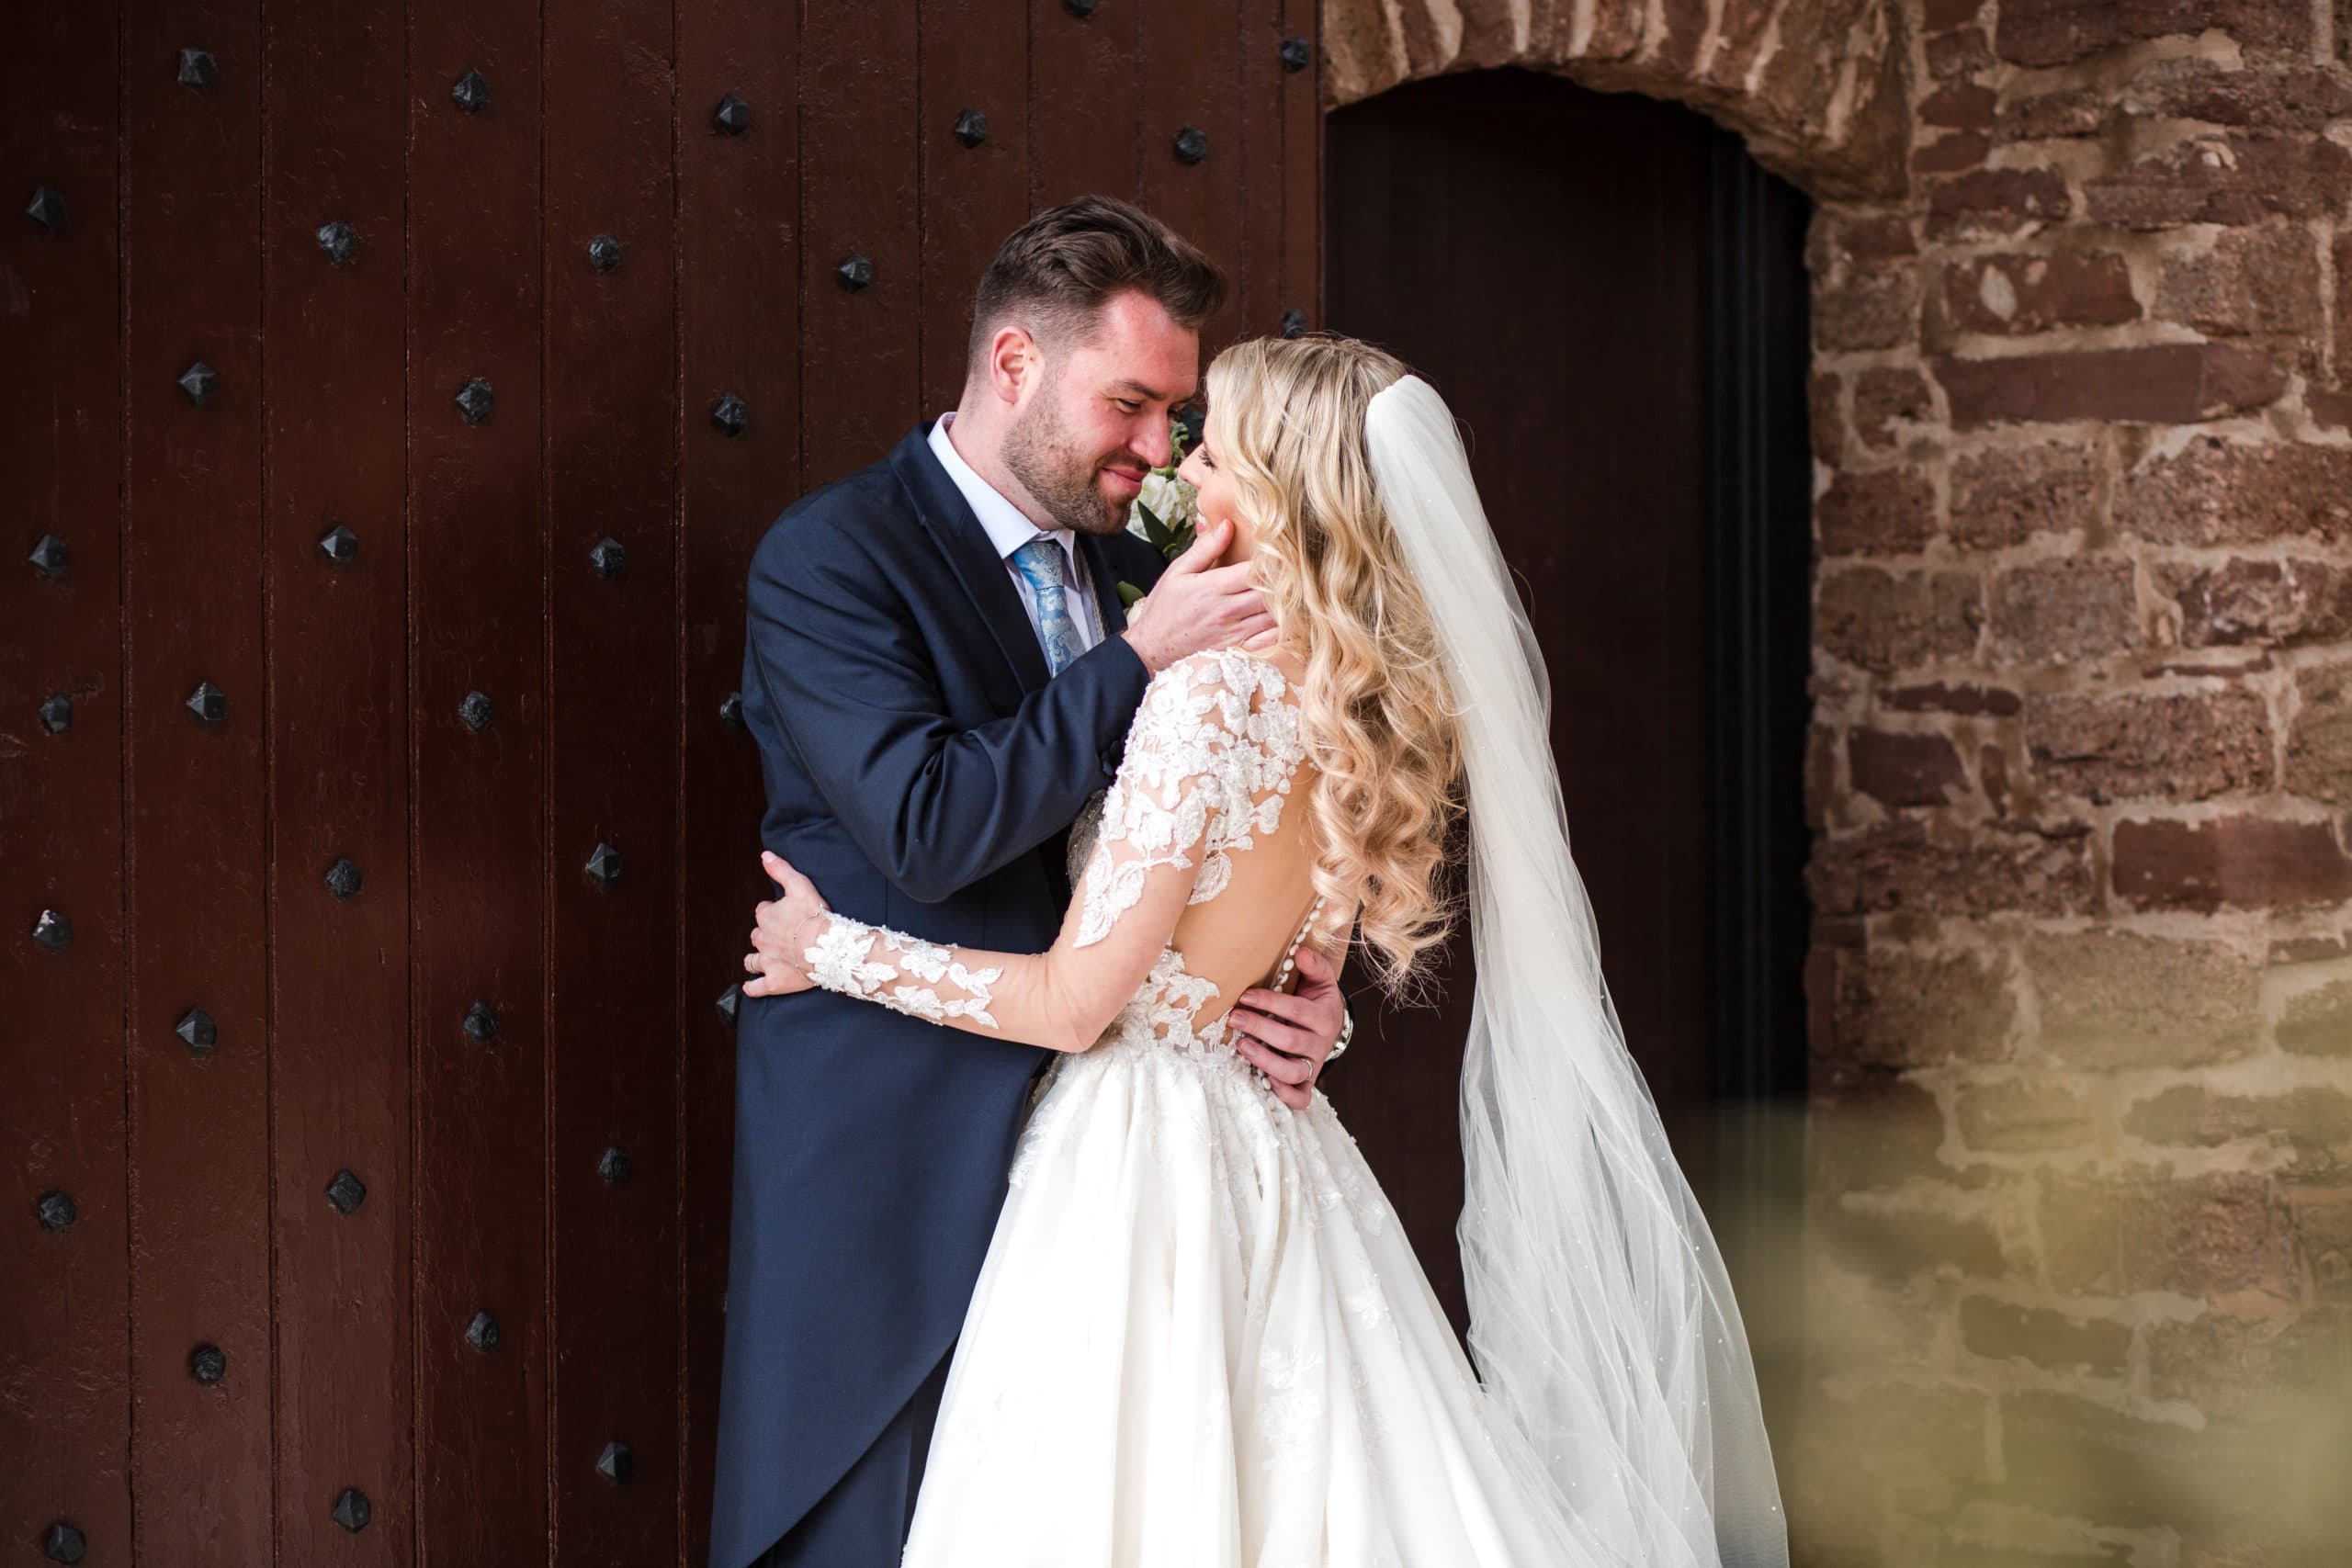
(1601, 1319)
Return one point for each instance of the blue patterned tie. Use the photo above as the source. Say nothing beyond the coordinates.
(1039, 562)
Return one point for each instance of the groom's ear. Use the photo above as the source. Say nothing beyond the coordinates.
(1015, 361)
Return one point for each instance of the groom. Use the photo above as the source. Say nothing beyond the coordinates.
(939, 674)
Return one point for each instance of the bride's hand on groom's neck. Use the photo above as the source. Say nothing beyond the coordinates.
(1197, 604)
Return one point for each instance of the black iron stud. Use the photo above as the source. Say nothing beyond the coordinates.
(209, 1364)
(472, 93)
(475, 399)
(197, 1030)
(64, 1543)
(730, 415)
(338, 239)
(1294, 322)
(56, 1210)
(57, 714)
(609, 559)
(352, 1511)
(614, 1167)
(51, 556)
(475, 712)
(731, 1003)
(605, 866)
(341, 544)
(732, 116)
(1081, 10)
(483, 1333)
(856, 272)
(347, 1192)
(1192, 144)
(482, 1022)
(342, 877)
(198, 68)
(54, 930)
(604, 253)
(210, 704)
(730, 710)
(1297, 54)
(199, 382)
(617, 1465)
(46, 208)
(971, 127)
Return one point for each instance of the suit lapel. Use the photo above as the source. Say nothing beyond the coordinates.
(1106, 584)
(967, 549)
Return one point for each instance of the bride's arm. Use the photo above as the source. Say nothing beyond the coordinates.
(1144, 869)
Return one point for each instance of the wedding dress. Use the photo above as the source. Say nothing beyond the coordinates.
(1200, 1338)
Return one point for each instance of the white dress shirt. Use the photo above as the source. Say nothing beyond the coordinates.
(1008, 528)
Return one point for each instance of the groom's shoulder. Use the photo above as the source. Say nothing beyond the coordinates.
(865, 507)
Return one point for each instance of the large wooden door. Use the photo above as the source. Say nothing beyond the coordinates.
(393, 393)
(1612, 299)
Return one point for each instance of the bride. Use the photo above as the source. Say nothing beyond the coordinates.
(1200, 1337)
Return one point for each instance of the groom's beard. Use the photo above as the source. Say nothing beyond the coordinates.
(1039, 452)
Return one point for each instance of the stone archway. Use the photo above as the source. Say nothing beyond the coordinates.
(2080, 765)
(1814, 85)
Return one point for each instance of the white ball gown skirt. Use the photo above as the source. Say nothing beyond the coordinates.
(1201, 1340)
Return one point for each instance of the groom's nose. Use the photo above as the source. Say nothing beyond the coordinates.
(1149, 441)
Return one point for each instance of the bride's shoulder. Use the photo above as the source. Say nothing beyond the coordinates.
(1261, 677)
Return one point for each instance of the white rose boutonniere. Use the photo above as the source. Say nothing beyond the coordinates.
(1165, 512)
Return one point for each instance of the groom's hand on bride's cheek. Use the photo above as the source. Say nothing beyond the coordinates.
(1288, 1035)
(1196, 605)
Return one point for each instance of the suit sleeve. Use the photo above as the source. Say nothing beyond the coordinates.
(933, 805)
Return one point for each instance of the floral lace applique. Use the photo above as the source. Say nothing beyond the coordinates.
(843, 960)
(1193, 781)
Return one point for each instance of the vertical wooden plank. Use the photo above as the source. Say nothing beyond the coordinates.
(612, 412)
(334, 456)
(1189, 79)
(1302, 277)
(200, 1190)
(976, 59)
(859, 196)
(476, 722)
(738, 233)
(65, 1323)
(1265, 73)
(1086, 102)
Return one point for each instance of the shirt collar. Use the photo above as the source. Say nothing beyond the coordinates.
(1007, 527)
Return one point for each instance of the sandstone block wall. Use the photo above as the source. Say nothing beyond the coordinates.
(2080, 1240)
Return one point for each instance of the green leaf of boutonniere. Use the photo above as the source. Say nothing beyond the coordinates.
(1159, 533)
(1130, 595)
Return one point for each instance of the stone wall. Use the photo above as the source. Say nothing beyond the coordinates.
(2078, 1240)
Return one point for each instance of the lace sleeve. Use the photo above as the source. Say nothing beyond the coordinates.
(1208, 764)
(843, 960)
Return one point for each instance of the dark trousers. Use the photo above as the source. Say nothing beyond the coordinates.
(861, 1522)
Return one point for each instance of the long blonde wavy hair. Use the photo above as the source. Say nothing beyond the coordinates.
(1376, 710)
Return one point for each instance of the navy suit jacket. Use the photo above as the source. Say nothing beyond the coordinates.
(923, 771)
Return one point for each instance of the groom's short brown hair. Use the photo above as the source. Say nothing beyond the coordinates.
(1054, 272)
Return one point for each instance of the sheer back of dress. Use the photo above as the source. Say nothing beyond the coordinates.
(1217, 779)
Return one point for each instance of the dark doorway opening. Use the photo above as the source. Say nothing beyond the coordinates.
(1612, 295)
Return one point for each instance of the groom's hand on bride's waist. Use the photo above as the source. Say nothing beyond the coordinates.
(1288, 1035)
(1197, 605)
